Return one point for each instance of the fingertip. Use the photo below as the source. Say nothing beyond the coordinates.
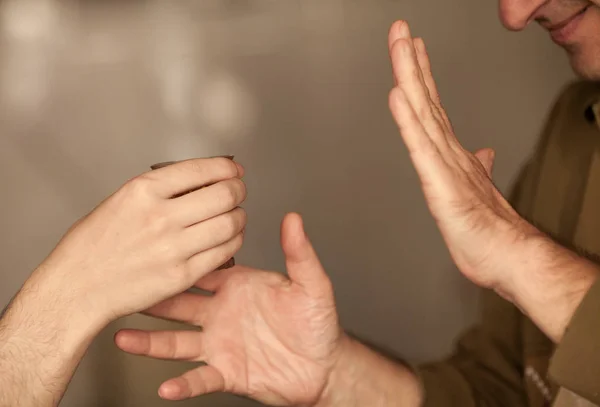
(292, 222)
(293, 219)
(492, 158)
(121, 339)
(170, 390)
(395, 27)
(302, 262)
(240, 169)
(399, 29)
(486, 157)
(394, 32)
(489, 153)
(419, 44)
(293, 236)
(396, 93)
(132, 341)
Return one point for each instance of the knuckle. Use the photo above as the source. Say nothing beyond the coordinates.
(397, 102)
(159, 220)
(231, 226)
(139, 187)
(233, 223)
(243, 217)
(237, 242)
(137, 198)
(242, 220)
(424, 111)
(400, 46)
(167, 251)
(228, 194)
(242, 190)
(195, 165)
(393, 99)
(232, 192)
(229, 249)
(218, 167)
(224, 167)
(172, 345)
(177, 276)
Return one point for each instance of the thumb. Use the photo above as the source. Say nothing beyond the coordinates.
(303, 265)
(486, 157)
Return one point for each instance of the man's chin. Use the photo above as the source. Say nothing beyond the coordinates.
(587, 68)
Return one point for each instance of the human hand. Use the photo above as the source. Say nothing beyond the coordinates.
(481, 229)
(264, 335)
(141, 245)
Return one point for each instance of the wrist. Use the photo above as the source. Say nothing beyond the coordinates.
(48, 306)
(342, 375)
(361, 376)
(517, 249)
(549, 283)
(41, 343)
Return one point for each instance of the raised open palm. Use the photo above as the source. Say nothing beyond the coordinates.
(476, 221)
(264, 335)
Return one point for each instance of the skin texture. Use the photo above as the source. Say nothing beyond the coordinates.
(251, 350)
(138, 247)
(583, 46)
(490, 243)
(273, 338)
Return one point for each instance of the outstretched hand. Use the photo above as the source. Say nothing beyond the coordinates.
(263, 335)
(475, 220)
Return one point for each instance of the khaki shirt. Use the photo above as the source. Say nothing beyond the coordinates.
(506, 360)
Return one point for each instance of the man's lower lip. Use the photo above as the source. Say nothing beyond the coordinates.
(563, 35)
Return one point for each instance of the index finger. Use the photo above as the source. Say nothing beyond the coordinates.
(407, 71)
(178, 178)
(394, 34)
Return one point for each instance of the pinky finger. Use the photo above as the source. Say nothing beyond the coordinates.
(196, 382)
(205, 262)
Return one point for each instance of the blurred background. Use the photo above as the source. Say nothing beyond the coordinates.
(92, 92)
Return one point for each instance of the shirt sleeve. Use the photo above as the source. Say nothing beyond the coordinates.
(486, 367)
(576, 362)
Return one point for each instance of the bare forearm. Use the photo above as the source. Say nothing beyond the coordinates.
(550, 283)
(41, 345)
(363, 377)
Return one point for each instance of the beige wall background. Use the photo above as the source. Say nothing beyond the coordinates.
(93, 92)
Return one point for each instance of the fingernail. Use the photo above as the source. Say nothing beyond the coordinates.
(405, 29)
(419, 44)
(168, 390)
(241, 170)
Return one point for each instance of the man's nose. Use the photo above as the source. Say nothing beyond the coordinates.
(517, 14)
